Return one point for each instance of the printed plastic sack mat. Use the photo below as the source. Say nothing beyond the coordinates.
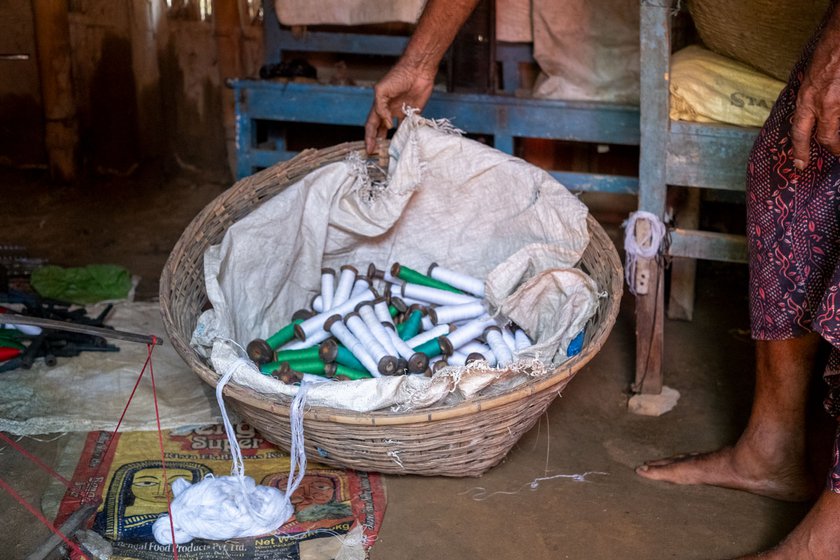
(445, 199)
(707, 87)
(337, 511)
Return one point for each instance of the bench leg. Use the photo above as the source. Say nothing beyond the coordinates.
(649, 333)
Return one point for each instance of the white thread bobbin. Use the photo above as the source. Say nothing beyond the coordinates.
(473, 346)
(647, 248)
(374, 325)
(316, 323)
(411, 301)
(358, 327)
(346, 279)
(426, 323)
(384, 275)
(476, 347)
(318, 304)
(311, 340)
(361, 284)
(455, 313)
(386, 363)
(417, 362)
(468, 332)
(509, 339)
(457, 359)
(380, 307)
(482, 317)
(327, 288)
(426, 336)
(469, 284)
(403, 349)
(493, 336)
(344, 336)
(522, 340)
(434, 295)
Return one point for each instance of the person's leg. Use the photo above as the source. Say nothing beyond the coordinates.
(769, 457)
(815, 538)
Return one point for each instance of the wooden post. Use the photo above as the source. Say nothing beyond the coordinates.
(52, 40)
(683, 270)
(147, 20)
(228, 30)
(655, 33)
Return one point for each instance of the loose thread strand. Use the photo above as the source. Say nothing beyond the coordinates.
(162, 454)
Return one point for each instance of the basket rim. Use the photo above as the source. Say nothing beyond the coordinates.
(280, 404)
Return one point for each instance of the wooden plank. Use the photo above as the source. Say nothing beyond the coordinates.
(345, 43)
(655, 52)
(578, 182)
(271, 33)
(510, 56)
(476, 113)
(244, 135)
(590, 182)
(708, 245)
(653, 105)
(61, 134)
(709, 156)
(683, 270)
(227, 29)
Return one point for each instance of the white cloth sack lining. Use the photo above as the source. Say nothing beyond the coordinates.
(447, 199)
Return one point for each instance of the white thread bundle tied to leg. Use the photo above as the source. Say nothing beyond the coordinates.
(647, 249)
(229, 507)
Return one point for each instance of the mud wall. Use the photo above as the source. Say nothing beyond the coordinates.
(21, 117)
(146, 83)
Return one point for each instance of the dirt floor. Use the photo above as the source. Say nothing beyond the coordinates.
(524, 508)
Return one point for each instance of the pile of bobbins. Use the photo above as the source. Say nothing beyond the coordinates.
(394, 322)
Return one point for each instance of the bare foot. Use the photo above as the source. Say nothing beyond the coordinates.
(738, 468)
(815, 538)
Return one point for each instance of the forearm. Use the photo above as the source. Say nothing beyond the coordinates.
(436, 29)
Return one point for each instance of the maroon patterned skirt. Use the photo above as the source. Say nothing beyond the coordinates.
(793, 227)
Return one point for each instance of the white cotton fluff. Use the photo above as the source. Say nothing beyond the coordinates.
(225, 507)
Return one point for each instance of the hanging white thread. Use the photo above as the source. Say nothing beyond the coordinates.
(647, 250)
(229, 507)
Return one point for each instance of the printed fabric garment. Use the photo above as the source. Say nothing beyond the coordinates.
(793, 227)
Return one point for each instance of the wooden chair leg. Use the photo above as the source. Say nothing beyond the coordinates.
(683, 270)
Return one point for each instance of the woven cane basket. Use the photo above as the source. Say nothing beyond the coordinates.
(462, 440)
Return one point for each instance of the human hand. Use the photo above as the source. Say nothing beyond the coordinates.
(402, 85)
(818, 101)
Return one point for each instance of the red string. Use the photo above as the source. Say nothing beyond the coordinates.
(36, 460)
(162, 457)
(122, 416)
(41, 518)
